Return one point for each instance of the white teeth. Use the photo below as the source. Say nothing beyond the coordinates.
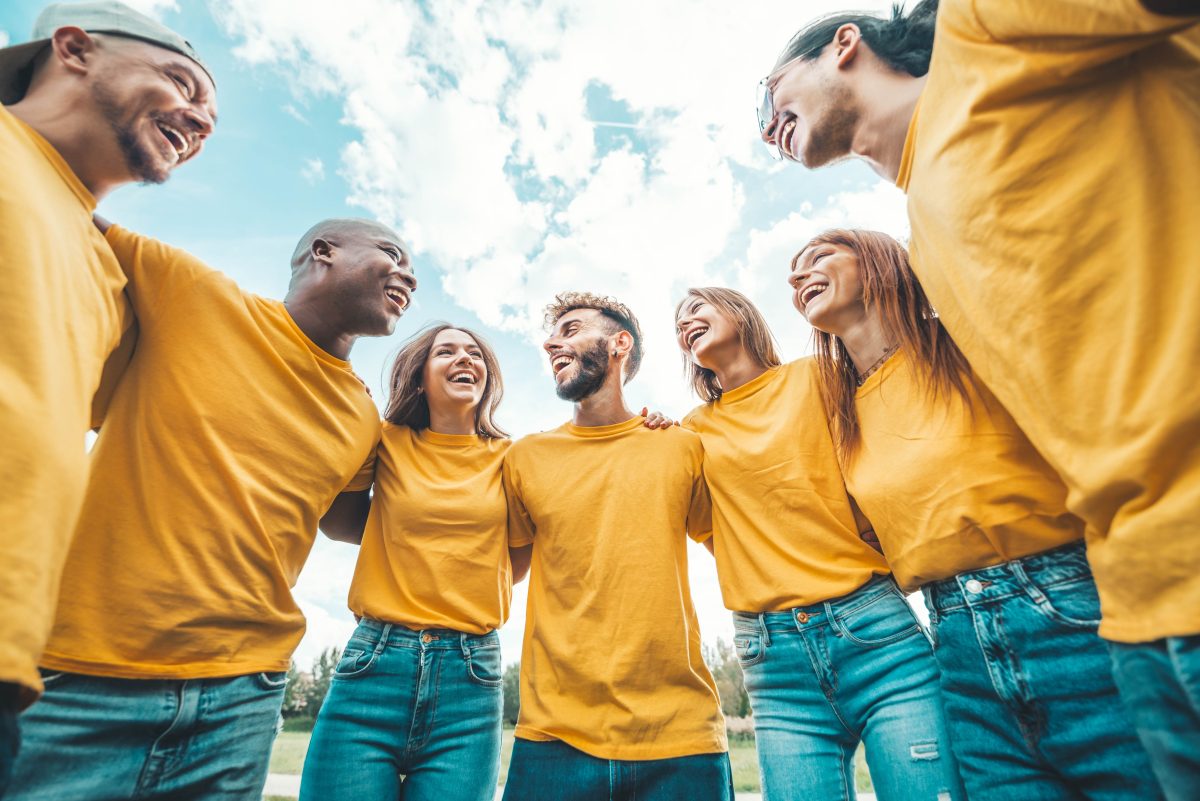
(812, 292)
(560, 361)
(398, 296)
(177, 139)
(462, 378)
(695, 334)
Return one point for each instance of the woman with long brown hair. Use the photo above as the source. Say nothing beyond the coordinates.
(417, 692)
(967, 511)
(833, 656)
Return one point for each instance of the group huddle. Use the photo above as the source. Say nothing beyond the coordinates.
(1001, 413)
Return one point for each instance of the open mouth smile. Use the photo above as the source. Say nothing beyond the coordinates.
(810, 292)
(178, 141)
(463, 377)
(398, 296)
(695, 334)
(558, 362)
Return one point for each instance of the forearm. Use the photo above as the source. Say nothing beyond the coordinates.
(347, 517)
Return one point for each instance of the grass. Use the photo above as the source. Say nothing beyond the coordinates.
(290, 747)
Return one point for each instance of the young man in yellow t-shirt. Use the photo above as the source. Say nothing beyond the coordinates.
(100, 97)
(237, 422)
(616, 701)
(1051, 155)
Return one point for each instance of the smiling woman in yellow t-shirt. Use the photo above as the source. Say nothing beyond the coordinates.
(832, 653)
(417, 693)
(966, 510)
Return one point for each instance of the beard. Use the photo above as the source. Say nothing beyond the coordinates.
(593, 369)
(831, 135)
(143, 164)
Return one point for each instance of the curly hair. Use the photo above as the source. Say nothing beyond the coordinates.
(614, 311)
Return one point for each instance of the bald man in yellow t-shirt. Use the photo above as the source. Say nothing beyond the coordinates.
(237, 422)
(616, 701)
(1050, 150)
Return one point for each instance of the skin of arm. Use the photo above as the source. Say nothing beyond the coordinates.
(520, 558)
(347, 517)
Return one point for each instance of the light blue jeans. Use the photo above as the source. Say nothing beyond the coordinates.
(422, 705)
(92, 738)
(1027, 684)
(554, 771)
(824, 678)
(1160, 684)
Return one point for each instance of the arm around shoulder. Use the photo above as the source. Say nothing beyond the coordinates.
(347, 517)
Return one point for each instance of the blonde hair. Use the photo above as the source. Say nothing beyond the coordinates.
(753, 333)
(612, 309)
(909, 321)
(407, 404)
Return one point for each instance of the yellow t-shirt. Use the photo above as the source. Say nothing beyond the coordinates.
(784, 530)
(950, 488)
(1053, 181)
(435, 550)
(611, 661)
(228, 437)
(62, 310)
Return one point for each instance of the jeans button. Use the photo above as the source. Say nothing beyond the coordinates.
(974, 586)
(427, 638)
(802, 617)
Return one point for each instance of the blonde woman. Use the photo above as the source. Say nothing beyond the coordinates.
(416, 698)
(832, 653)
(969, 512)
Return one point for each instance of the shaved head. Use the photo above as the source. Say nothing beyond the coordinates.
(339, 231)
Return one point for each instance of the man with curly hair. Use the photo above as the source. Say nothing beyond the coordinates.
(616, 701)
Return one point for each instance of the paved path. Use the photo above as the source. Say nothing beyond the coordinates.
(281, 784)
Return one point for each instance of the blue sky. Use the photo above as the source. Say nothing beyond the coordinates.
(522, 147)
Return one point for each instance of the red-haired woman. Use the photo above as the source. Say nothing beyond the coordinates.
(832, 653)
(966, 510)
(417, 693)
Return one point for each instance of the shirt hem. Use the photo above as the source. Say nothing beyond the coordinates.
(202, 670)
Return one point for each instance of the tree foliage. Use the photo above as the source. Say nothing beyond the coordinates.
(723, 663)
(512, 692)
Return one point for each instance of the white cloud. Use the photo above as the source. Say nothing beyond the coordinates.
(3, 38)
(313, 171)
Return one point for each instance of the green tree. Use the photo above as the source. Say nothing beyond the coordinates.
(322, 675)
(727, 672)
(512, 692)
(295, 696)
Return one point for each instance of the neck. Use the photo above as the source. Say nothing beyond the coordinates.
(459, 418)
(738, 370)
(865, 342)
(888, 110)
(605, 407)
(83, 140)
(319, 326)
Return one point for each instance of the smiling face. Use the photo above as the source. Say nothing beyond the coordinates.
(160, 105)
(371, 278)
(827, 287)
(703, 332)
(816, 114)
(579, 353)
(455, 373)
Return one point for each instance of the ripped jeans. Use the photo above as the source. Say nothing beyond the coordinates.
(824, 678)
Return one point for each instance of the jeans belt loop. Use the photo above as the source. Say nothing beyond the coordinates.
(383, 638)
(762, 625)
(462, 643)
(833, 621)
(1035, 592)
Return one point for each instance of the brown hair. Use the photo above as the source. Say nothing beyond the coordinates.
(909, 322)
(407, 404)
(753, 333)
(612, 309)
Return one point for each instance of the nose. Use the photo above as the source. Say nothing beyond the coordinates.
(201, 121)
(408, 278)
(551, 345)
(796, 278)
(768, 132)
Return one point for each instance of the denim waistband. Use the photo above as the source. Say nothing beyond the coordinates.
(393, 634)
(813, 615)
(1063, 564)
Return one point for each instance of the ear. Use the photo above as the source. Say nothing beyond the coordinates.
(321, 251)
(845, 44)
(620, 344)
(73, 49)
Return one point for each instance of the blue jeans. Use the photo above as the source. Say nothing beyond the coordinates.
(1028, 687)
(825, 677)
(425, 705)
(10, 735)
(554, 771)
(93, 738)
(1160, 684)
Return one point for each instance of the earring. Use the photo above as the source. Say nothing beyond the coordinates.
(614, 353)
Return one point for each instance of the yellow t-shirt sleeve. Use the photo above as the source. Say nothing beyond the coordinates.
(157, 273)
(1114, 27)
(699, 520)
(520, 526)
(114, 368)
(365, 476)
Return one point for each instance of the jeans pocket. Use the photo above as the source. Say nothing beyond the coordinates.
(483, 665)
(748, 648)
(271, 680)
(355, 662)
(53, 678)
(1074, 604)
(883, 620)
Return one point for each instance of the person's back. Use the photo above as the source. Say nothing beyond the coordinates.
(615, 698)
